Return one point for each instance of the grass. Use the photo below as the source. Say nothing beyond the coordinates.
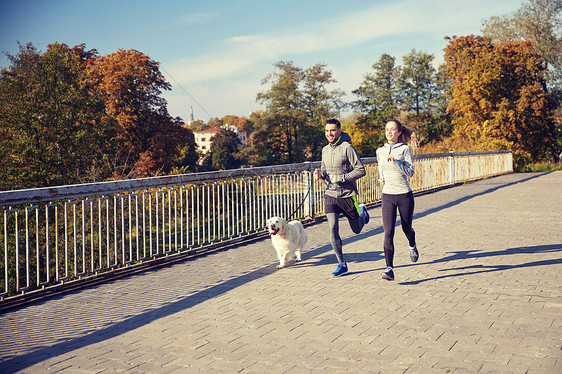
(540, 167)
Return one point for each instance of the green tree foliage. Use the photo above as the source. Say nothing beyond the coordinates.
(414, 92)
(185, 157)
(285, 116)
(225, 151)
(379, 91)
(47, 118)
(498, 100)
(424, 92)
(378, 99)
(319, 104)
(297, 103)
(417, 82)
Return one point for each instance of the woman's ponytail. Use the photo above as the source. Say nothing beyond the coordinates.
(407, 136)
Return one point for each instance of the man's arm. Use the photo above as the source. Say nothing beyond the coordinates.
(358, 169)
(320, 173)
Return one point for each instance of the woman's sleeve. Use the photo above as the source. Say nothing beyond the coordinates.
(406, 166)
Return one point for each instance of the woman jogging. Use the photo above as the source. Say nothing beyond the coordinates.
(395, 166)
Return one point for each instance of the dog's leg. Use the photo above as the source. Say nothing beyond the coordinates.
(282, 260)
(298, 255)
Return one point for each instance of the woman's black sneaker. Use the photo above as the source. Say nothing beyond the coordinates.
(388, 274)
(414, 255)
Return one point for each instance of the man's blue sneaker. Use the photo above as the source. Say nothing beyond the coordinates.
(341, 270)
(363, 209)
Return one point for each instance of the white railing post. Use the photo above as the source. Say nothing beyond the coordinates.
(452, 167)
(309, 193)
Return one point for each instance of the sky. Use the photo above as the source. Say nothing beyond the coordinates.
(216, 53)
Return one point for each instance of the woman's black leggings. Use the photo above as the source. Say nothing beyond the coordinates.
(405, 205)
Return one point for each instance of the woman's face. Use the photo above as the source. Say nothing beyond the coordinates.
(392, 132)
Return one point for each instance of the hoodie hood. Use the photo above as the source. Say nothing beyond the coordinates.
(344, 137)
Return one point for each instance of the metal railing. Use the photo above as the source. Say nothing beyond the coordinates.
(54, 235)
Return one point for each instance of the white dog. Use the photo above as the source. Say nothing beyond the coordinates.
(288, 239)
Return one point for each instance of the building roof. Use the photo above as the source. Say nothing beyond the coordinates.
(209, 131)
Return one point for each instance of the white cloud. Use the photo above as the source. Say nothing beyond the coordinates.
(241, 53)
(399, 26)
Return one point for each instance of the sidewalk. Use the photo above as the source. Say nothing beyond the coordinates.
(485, 297)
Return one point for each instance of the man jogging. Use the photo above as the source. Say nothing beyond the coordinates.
(341, 167)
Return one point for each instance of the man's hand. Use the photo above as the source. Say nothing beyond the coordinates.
(317, 174)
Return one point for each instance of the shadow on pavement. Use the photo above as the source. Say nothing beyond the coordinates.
(488, 268)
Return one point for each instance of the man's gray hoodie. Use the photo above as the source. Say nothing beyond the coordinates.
(341, 167)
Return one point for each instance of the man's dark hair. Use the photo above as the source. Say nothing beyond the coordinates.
(334, 121)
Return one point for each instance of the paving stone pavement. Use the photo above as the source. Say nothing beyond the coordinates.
(485, 297)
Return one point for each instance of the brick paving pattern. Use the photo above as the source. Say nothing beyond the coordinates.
(485, 297)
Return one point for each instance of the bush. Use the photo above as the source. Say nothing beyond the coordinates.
(539, 167)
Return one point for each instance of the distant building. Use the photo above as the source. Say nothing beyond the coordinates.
(203, 137)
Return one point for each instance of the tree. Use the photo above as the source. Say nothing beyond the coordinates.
(417, 82)
(424, 96)
(284, 109)
(320, 104)
(540, 22)
(47, 118)
(377, 101)
(184, 157)
(298, 100)
(379, 91)
(498, 98)
(225, 151)
(69, 116)
(142, 137)
(244, 124)
(214, 122)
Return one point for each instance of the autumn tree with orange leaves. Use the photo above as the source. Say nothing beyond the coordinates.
(70, 116)
(142, 138)
(498, 100)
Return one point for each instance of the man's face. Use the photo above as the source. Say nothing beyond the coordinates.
(332, 133)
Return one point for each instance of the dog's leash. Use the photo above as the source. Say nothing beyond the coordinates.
(302, 202)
